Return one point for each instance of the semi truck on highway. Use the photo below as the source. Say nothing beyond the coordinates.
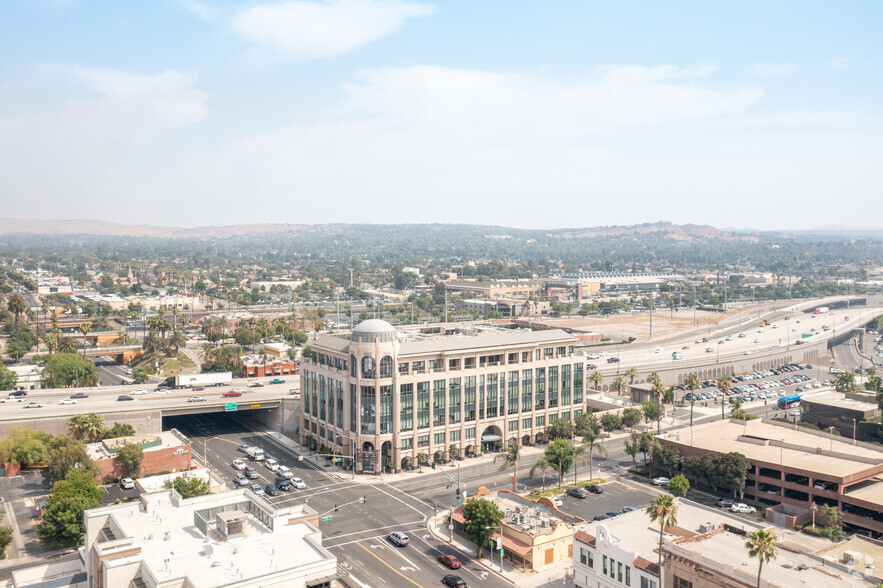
(196, 380)
(256, 453)
(820, 310)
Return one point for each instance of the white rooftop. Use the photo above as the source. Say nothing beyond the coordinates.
(168, 439)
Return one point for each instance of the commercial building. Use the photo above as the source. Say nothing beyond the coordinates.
(386, 397)
(30, 377)
(798, 467)
(580, 286)
(168, 451)
(705, 548)
(534, 535)
(496, 289)
(838, 410)
(235, 539)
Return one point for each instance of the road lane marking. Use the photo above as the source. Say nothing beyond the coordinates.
(374, 555)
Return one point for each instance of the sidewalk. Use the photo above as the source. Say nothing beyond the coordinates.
(552, 576)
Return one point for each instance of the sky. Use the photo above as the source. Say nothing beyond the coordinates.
(764, 115)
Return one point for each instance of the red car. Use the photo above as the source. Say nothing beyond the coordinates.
(231, 394)
(450, 561)
(685, 347)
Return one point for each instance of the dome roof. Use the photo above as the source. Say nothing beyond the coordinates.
(374, 330)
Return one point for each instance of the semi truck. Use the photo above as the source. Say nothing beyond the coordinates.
(197, 380)
(820, 310)
(255, 453)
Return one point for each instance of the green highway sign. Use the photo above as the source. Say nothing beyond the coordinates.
(336, 460)
(326, 518)
(228, 406)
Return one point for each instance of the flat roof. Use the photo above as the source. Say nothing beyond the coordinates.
(868, 550)
(832, 457)
(840, 400)
(173, 547)
(168, 440)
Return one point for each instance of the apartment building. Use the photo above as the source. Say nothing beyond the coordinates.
(383, 397)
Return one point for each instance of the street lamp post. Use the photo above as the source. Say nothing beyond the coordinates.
(499, 545)
(853, 431)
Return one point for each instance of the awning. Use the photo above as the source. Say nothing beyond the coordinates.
(490, 437)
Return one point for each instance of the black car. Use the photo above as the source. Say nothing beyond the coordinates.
(454, 581)
(725, 503)
(79, 395)
(122, 397)
(251, 473)
(612, 514)
(283, 484)
(271, 490)
(612, 360)
(577, 493)
(601, 518)
(591, 366)
(594, 489)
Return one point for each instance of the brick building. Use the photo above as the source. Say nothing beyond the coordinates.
(167, 452)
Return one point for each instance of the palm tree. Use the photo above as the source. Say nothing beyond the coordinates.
(17, 306)
(591, 441)
(723, 384)
(75, 426)
(597, 378)
(619, 384)
(177, 340)
(510, 460)
(658, 391)
(663, 510)
(85, 328)
(66, 345)
(51, 341)
(692, 382)
(543, 465)
(631, 374)
(762, 545)
(93, 425)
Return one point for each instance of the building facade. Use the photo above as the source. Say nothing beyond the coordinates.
(384, 401)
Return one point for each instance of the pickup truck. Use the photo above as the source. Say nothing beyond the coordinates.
(277, 381)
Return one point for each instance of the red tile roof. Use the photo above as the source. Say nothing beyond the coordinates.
(647, 565)
(585, 537)
(514, 545)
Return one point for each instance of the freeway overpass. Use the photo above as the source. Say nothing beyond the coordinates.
(272, 404)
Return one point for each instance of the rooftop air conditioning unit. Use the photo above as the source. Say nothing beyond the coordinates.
(706, 527)
(851, 557)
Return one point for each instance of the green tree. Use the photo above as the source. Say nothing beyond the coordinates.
(63, 523)
(560, 455)
(619, 384)
(25, 446)
(65, 454)
(118, 430)
(176, 341)
(650, 410)
(692, 382)
(5, 540)
(543, 465)
(85, 328)
(669, 457)
(632, 446)
(8, 378)
(597, 378)
(610, 421)
(16, 349)
(188, 488)
(584, 422)
(678, 486)
(845, 383)
(592, 442)
(64, 370)
(762, 545)
(663, 511)
(730, 472)
(93, 425)
(76, 425)
(483, 518)
(723, 384)
(139, 375)
(833, 517)
(131, 456)
(560, 429)
(510, 460)
(631, 374)
(631, 416)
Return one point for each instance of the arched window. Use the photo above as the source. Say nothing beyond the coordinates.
(354, 366)
(368, 367)
(386, 367)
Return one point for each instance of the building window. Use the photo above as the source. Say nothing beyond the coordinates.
(604, 565)
(340, 405)
(454, 436)
(548, 352)
(453, 364)
(492, 400)
(406, 395)
(385, 409)
(369, 401)
(578, 383)
(418, 367)
(423, 441)
(403, 368)
(512, 358)
(682, 583)
(368, 367)
(469, 363)
(512, 426)
(647, 583)
(407, 443)
(439, 439)
(435, 365)
(386, 367)
(591, 559)
(526, 390)
(553, 386)
(565, 385)
(469, 399)
(539, 400)
(470, 433)
(619, 571)
(525, 423)
(438, 403)
(353, 404)
(525, 356)
(353, 364)
(561, 351)
(454, 407)
(612, 568)
(628, 575)
(512, 397)
(422, 405)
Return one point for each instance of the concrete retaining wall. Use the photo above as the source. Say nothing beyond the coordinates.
(145, 422)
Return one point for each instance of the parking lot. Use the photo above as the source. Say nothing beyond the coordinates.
(616, 495)
(762, 386)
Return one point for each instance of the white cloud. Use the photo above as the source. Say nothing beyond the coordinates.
(773, 70)
(322, 29)
(200, 9)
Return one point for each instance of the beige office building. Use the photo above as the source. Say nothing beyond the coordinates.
(385, 397)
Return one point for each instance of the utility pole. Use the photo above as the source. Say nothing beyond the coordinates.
(651, 314)
(446, 307)
(694, 305)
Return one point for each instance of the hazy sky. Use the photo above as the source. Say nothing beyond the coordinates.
(531, 114)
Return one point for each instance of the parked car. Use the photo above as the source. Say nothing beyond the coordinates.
(277, 381)
(594, 489)
(743, 508)
(271, 490)
(256, 488)
(283, 484)
(67, 401)
(725, 503)
(127, 483)
(454, 581)
(399, 538)
(661, 482)
(577, 493)
(298, 483)
(450, 561)
(239, 464)
(557, 501)
(629, 509)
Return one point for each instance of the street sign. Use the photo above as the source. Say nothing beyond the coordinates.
(326, 518)
(336, 460)
(228, 406)
(501, 553)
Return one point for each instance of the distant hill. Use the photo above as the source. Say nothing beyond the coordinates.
(96, 227)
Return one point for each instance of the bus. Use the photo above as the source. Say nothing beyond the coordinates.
(789, 401)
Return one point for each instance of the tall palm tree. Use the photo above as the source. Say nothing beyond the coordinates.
(177, 340)
(619, 384)
(663, 510)
(762, 545)
(543, 465)
(17, 306)
(597, 378)
(66, 345)
(723, 384)
(692, 382)
(85, 328)
(510, 460)
(658, 392)
(51, 341)
(631, 374)
(93, 425)
(75, 426)
(591, 441)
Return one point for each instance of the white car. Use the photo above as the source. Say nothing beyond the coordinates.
(557, 501)
(161, 391)
(67, 401)
(127, 483)
(660, 481)
(33, 405)
(659, 350)
(10, 399)
(271, 464)
(238, 390)
(284, 472)
(743, 508)
(196, 399)
(138, 392)
(794, 412)
(747, 352)
(255, 385)
(239, 464)
(298, 483)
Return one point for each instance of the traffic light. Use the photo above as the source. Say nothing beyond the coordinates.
(365, 499)
(458, 493)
